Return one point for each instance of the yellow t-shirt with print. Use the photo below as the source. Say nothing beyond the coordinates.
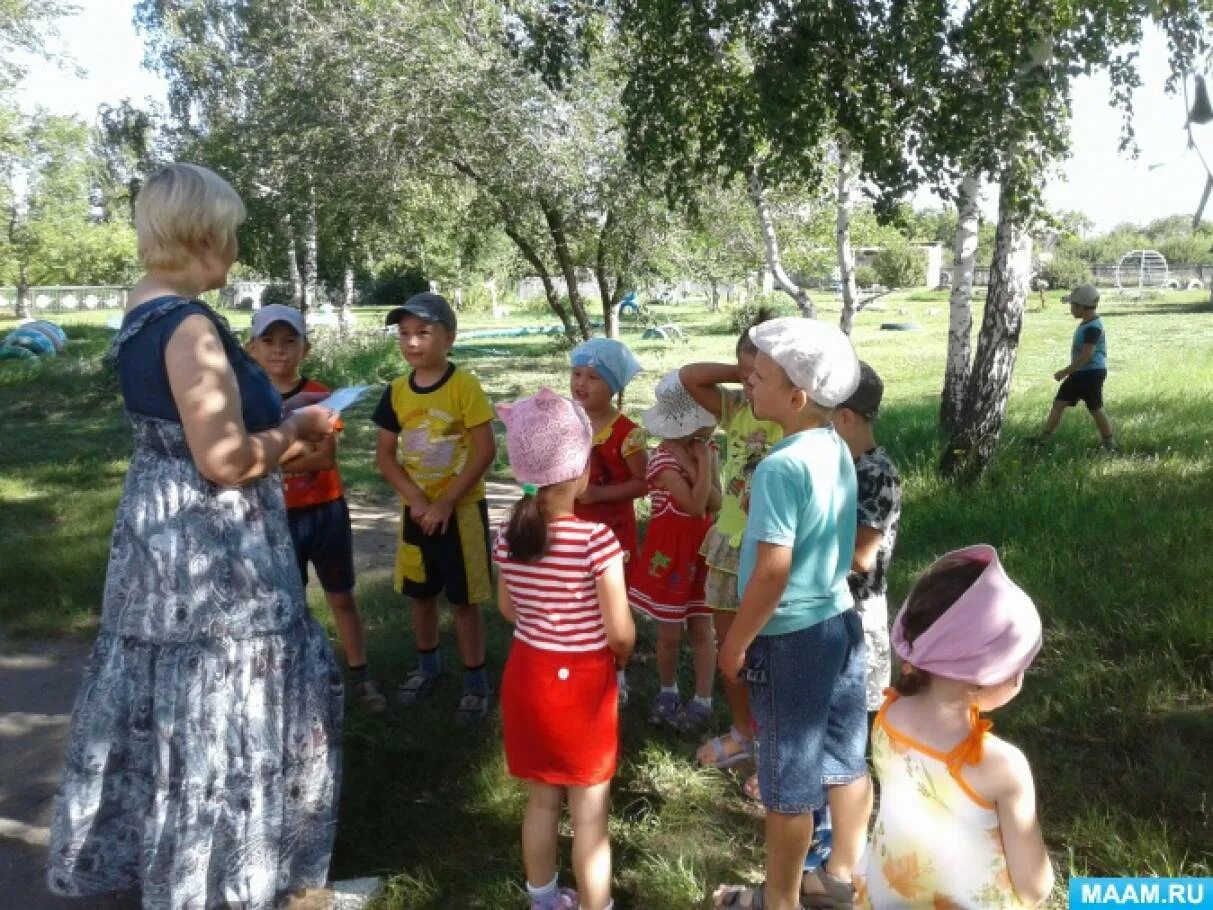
(434, 426)
(747, 440)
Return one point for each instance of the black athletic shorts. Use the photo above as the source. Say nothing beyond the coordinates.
(1085, 386)
(323, 537)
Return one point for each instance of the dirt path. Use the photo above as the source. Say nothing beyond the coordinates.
(38, 682)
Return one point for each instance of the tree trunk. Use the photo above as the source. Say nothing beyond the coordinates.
(960, 313)
(549, 287)
(842, 237)
(22, 308)
(770, 245)
(713, 295)
(972, 443)
(564, 257)
(610, 297)
(311, 256)
(292, 264)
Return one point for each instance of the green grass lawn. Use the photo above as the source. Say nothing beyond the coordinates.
(1115, 716)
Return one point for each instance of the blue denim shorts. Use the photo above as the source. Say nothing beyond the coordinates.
(807, 695)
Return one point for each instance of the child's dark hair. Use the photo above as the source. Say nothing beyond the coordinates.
(932, 596)
(527, 530)
(761, 315)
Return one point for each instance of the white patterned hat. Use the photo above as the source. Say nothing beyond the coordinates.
(676, 414)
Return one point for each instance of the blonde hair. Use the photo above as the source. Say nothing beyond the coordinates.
(181, 210)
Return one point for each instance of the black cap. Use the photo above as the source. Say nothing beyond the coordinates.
(865, 401)
(428, 306)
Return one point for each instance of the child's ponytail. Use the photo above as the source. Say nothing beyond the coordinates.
(527, 530)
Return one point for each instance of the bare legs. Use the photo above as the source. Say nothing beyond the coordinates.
(588, 807)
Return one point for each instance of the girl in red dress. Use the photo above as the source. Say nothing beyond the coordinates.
(667, 582)
(602, 368)
(560, 582)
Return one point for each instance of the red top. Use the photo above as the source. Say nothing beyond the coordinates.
(314, 487)
(608, 465)
(556, 596)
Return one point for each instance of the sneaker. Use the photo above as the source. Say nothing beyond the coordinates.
(369, 696)
(564, 899)
(416, 688)
(1109, 446)
(693, 717)
(665, 708)
(1038, 442)
(473, 707)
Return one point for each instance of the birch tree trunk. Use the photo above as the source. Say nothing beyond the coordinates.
(972, 443)
(770, 245)
(609, 296)
(23, 309)
(292, 265)
(842, 236)
(960, 313)
(311, 256)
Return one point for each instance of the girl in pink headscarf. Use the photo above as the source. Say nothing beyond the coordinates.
(957, 825)
(561, 584)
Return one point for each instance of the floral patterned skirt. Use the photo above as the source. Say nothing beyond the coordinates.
(203, 765)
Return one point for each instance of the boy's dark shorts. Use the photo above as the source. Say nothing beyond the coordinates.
(456, 561)
(1085, 386)
(323, 537)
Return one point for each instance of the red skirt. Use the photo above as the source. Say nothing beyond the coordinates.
(560, 716)
(667, 582)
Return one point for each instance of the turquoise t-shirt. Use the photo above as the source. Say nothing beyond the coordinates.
(1091, 333)
(803, 497)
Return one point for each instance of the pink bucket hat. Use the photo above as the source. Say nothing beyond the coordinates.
(548, 438)
(990, 635)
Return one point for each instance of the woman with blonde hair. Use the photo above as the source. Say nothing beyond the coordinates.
(203, 764)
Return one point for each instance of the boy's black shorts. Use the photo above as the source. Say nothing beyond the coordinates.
(455, 561)
(1085, 386)
(323, 537)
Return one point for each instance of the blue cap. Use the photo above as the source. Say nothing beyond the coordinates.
(428, 306)
(609, 358)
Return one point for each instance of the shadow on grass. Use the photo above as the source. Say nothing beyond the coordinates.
(1161, 309)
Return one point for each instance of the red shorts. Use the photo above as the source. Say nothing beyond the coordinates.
(560, 716)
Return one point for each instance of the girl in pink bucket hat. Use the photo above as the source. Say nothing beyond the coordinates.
(561, 584)
(957, 825)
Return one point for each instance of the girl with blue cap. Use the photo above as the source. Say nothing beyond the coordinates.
(601, 369)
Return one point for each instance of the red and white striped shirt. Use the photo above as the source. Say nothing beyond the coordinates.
(555, 597)
(660, 501)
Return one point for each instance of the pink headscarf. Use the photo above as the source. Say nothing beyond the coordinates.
(990, 635)
(548, 438)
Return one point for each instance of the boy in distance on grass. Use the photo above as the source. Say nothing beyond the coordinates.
(1083, 379)
(315, 503)
(435, 446)
(797, 637)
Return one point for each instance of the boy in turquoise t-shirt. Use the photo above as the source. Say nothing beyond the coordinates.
(1083, 379)
(797, 640)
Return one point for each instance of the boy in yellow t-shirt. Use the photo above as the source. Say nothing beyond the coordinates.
(444, 418)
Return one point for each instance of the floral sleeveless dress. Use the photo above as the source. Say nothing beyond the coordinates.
(204, 757)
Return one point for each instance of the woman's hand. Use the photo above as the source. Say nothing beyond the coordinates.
(313, 423)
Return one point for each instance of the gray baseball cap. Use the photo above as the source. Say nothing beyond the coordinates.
(1085, 295)
(272, 315)
(868, 394)
(428, 306)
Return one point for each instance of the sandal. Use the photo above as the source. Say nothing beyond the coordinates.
(835, 894)
(722, 758)
(740, 897)
(473, 707)
(751, 789)
(416, 688)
